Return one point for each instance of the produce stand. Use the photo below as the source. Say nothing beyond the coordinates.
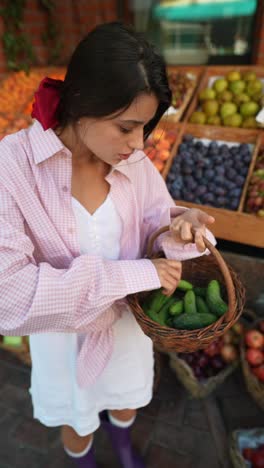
(16, 97)
(236, 226)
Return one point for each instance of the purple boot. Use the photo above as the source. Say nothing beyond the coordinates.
(87, 461)
(121, 442)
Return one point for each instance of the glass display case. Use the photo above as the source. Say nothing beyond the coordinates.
(198, 31)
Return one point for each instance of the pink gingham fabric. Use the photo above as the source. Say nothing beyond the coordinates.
(45, 284)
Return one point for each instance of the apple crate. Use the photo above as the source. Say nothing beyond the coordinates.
(213, 72)
(242, 439)
(195, 75)
(236, 226)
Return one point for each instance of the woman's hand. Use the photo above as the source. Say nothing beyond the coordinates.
(193, 219)
(169, 273)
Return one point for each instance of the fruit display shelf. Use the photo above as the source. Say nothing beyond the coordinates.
(183, 83)
(237, 88)
(230, 224)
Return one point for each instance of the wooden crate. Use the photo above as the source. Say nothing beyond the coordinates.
(198, 72)
(261, 149)
(235, 226)
(218, 71)
(174, 129)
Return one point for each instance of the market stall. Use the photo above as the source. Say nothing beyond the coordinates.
(209, 149)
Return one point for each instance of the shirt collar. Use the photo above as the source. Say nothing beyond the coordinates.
(45, 144)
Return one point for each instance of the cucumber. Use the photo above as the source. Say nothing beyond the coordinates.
(169, 322)
(214, 300)
(161, 316)
(200, 292)
(189, 303)
(155, 317)
(201, 305)
(184, 285)
(163, 313)
(176, 308)
(193, 321)
(155, 301)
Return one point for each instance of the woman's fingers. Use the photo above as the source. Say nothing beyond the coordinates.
(199, 242)
(169, 272)
(204, 218)
(186, 233)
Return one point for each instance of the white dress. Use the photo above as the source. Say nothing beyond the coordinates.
(127, 380)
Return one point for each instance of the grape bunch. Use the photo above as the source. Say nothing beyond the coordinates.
(179, 83)
(211, 174)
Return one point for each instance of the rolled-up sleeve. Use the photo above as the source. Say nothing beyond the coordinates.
(39, 298)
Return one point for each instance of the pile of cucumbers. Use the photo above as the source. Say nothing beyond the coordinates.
(189, 308)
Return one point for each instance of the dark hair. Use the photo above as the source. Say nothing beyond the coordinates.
(109, 68)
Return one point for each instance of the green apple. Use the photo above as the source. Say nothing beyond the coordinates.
(207, 93)
(213, 120)
(210, 107)
(237, 86)
(228, 108)
(234, 120)
(225, 96)
(233, 76)
(254, 87)
(198, 117)
(220, 85)
(249, 76)
(249, 109)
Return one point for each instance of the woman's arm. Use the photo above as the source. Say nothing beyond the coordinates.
(160, 210)
(38, 298)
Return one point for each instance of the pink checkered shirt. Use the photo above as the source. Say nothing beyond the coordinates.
(45, 283)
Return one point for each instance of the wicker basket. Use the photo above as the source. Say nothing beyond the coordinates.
(241, 439)
(253, 384)
(200, 270)
(191, 383)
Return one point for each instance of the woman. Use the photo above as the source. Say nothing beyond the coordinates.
(78, 202)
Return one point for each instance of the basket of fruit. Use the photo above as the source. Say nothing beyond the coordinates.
(203, 371)
(229, 97)
(186, 321)
(252, 359)
(247, 448)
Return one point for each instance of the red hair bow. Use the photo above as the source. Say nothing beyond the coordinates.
(46, 102)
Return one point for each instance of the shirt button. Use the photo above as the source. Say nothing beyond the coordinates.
(65, 188)
(71, 230)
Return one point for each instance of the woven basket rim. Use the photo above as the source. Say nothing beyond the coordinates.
(163, 334)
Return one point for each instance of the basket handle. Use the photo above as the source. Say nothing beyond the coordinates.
(221, 263)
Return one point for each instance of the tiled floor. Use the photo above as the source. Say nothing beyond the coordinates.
(174, 431)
